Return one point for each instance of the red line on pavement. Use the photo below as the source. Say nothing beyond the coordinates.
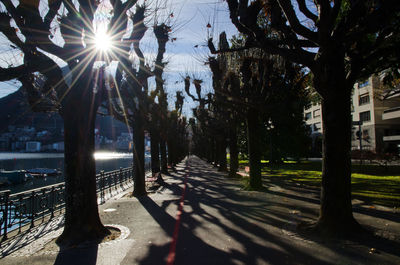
(172, 249)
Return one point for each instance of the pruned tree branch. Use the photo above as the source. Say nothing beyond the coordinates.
(304, 9)
(294, 22)
(12, 72)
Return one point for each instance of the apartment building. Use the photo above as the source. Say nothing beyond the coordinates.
(376, 108)
(391, 137)
(313, 118)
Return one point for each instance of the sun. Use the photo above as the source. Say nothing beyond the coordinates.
(102, 41)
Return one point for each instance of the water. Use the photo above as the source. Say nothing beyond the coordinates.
(106, 161)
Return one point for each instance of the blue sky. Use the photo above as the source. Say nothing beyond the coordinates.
(187, 54)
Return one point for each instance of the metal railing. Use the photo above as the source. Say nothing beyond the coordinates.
(22, 211)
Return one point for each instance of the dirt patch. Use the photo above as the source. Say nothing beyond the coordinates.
(115, 233)
(52, 247)
(151, 187)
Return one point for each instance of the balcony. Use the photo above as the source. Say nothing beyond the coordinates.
(391, 138)
(392, 113)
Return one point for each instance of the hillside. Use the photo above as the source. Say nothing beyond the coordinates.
(16, 111)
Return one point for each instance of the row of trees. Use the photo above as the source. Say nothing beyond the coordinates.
(260, 93)
(59, 72)
(144, 109)
(340, 42)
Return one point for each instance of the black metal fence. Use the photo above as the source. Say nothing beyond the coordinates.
(22, 211)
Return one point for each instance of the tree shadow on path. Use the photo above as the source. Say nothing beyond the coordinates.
(78, 255)
(222, 224)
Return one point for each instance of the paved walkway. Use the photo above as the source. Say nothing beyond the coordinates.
(201, 217)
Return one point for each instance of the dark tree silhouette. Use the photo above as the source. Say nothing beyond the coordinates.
(161, 32)
(349, 40)
(254, 85)
(177, 133)
(130, 102)
(206, 145)
(75, 95)
(136, 105)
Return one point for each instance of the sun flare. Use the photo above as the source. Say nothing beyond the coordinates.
(102, 41)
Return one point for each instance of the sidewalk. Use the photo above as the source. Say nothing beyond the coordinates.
(201, 217)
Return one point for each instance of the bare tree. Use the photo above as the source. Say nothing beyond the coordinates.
(129, 100)
(64, 33)
(340, 42)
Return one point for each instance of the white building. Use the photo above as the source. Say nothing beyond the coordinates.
(391, 137)
(379, 113)
(313, 118)
(33, 146)
(59, 146)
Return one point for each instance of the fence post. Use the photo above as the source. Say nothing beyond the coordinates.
(5, 214)
(20, 200)
(115, 181)
(44, 199)
(53, 198)
(32, 208)
(102, 184)
(110, 180)
(120, 178)
(131, 175)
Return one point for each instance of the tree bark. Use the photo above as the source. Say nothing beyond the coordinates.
(336, 216)
(233, 151)
(253, 139)
(214, 151)
(209, 150)
(164, 161)
(222, 156)
(139, 187)
(82, 221)
(170, 157)
(155, 151)
(217, 152)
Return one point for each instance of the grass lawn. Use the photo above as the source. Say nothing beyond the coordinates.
(370, 183)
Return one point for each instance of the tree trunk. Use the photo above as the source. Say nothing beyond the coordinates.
(214, 152)
(253, 138)
(275, 155)
(233, 151)
(139, 187)
(155, 151)
(170, 157)
(164, 161)
(209, 150)
(222, 156)
(336, 216)
(217, 152)
(82, 221)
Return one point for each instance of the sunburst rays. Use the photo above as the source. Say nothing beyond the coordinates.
(99, 42)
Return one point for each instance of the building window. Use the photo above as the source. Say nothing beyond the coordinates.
(308, 116)
(317, 127)
(365, 116)
(363, 84)
(317, 113)
(363, 99)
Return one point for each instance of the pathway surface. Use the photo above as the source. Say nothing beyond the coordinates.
(201, 217)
